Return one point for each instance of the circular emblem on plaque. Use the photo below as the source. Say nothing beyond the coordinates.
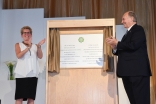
(81, 39)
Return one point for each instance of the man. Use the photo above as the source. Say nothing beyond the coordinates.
(133, 63)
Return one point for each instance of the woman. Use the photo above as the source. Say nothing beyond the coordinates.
(27, 68)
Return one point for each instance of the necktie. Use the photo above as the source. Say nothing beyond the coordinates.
(124, 35)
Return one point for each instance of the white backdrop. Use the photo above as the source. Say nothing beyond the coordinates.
(11, 22)
(0, 26)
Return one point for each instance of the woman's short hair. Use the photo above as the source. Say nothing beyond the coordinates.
(26, 27)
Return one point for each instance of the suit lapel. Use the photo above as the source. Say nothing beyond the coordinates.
(125, 36)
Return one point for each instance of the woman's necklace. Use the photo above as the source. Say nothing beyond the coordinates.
(25, 44)
(28, 47)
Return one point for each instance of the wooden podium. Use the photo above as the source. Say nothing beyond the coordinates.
(81, 85)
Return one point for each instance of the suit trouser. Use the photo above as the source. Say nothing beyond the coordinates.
(137, 89)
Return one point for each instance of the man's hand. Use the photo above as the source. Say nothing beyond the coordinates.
(112, 42)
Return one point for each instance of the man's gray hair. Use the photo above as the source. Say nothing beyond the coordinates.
(132, 14)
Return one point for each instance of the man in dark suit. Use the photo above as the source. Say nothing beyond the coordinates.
(133, 63)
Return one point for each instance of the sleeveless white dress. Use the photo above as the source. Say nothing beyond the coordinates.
(27, 66)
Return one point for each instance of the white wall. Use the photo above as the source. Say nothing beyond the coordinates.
(12, 21)
(0, 26)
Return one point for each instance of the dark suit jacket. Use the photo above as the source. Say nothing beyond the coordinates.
(132, 54)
